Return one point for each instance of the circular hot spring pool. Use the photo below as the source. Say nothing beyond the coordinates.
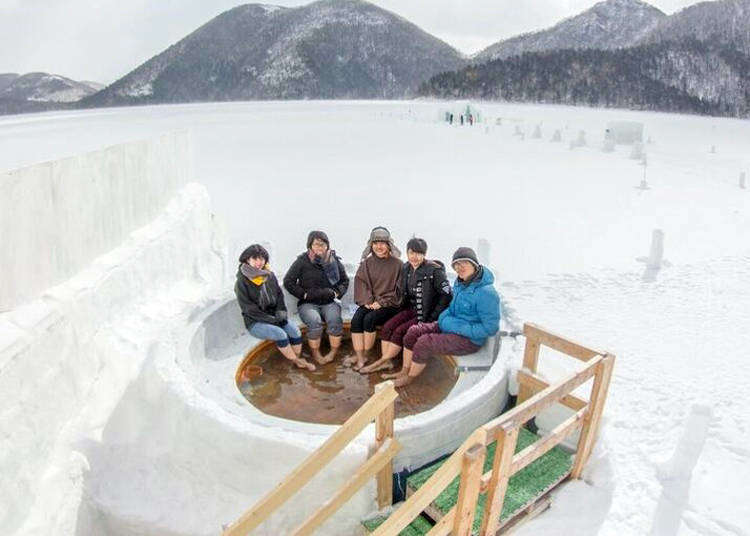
(434, 414)
(333, 392)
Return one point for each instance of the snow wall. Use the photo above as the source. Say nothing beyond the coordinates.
(56, 217)
(128, 243)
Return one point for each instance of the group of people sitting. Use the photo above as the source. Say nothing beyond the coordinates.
(412, 302)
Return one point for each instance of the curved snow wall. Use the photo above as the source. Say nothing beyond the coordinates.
(104, 251)
(56, 217)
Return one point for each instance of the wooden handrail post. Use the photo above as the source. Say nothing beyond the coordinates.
(468, 491)
(384, 432)
(383, 455)
(591, 422)
(304, 472)
(507, 437)
(530, 363)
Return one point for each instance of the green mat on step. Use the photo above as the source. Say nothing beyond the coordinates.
(418, 527)
(523, 487)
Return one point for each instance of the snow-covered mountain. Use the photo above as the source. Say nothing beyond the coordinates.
(43, 87)
(6, 79)
(689, 76)
(37, 92)
(607, 25)
(327, 49)
(725, 22)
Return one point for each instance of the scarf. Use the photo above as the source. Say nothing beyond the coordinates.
(329, 264)
(259, 278)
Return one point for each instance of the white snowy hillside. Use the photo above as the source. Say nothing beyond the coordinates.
(570, 223)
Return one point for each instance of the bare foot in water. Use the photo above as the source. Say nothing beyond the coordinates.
(318, 357)
(349, 361)
(394, 375)
(402, 381)
(361, 361)
(330, 356)
(384, 365)
(303, 364)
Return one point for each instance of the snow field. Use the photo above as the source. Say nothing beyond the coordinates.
(566, 227)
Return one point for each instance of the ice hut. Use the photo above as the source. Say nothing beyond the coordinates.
(624, 132)
(458, 109)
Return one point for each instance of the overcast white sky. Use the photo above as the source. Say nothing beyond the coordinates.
(102, 40)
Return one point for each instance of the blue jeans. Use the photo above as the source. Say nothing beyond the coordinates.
(289, 334)
(314, 315)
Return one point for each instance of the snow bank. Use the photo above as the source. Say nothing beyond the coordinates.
(58, 216)
(67, 357)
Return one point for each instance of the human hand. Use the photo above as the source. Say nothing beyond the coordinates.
(375, 306)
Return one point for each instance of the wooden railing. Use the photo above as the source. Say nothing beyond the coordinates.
(380, 407)
(535, 395)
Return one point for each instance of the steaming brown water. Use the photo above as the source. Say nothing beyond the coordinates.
(333, 392)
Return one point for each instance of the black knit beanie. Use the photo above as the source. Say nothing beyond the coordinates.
(417, 245)
(320, 235)
(254, 251)
(465, 254)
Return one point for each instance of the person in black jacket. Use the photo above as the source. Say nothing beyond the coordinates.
(317, 279)
(425, 292)
(262, 304)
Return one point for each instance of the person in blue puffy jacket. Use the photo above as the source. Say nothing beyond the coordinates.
(472, 316)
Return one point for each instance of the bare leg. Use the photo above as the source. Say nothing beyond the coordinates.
(385, 362)
(335, 343)
(414, 371)
(290, 352)
(358, 342)
(404, 368)
(370, 337)
(369, 344)
(315, 350)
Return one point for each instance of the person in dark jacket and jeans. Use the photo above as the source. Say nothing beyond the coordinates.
(317, 279)
(262, 304)
(425, 294)
(472, 316)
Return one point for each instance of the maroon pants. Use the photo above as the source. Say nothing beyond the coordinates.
(395, 329)
(426, 341)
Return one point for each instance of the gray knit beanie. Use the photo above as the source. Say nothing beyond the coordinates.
(465, 254)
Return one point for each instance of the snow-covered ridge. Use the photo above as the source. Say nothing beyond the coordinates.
(44, 87)
(608, 24)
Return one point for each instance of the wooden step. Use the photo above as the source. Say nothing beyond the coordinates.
(527, 493)
(420, 526)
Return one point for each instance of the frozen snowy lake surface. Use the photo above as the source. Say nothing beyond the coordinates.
(566, 228)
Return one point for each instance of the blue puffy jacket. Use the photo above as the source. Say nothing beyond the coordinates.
(474, 311)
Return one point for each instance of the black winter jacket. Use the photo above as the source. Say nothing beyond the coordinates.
(431, 290)
(305, 277)
(248, 296)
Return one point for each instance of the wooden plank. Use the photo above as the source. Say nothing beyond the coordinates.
(507, 436)
(430, 489)
(593, 417)
(559, 343)
(530, 363)
(543, 399)
(548, 442)
(536, 384)
(313, 464)
(444, 526)
(468, 490)
(527, 514)
(383, 432)
(382, 456)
